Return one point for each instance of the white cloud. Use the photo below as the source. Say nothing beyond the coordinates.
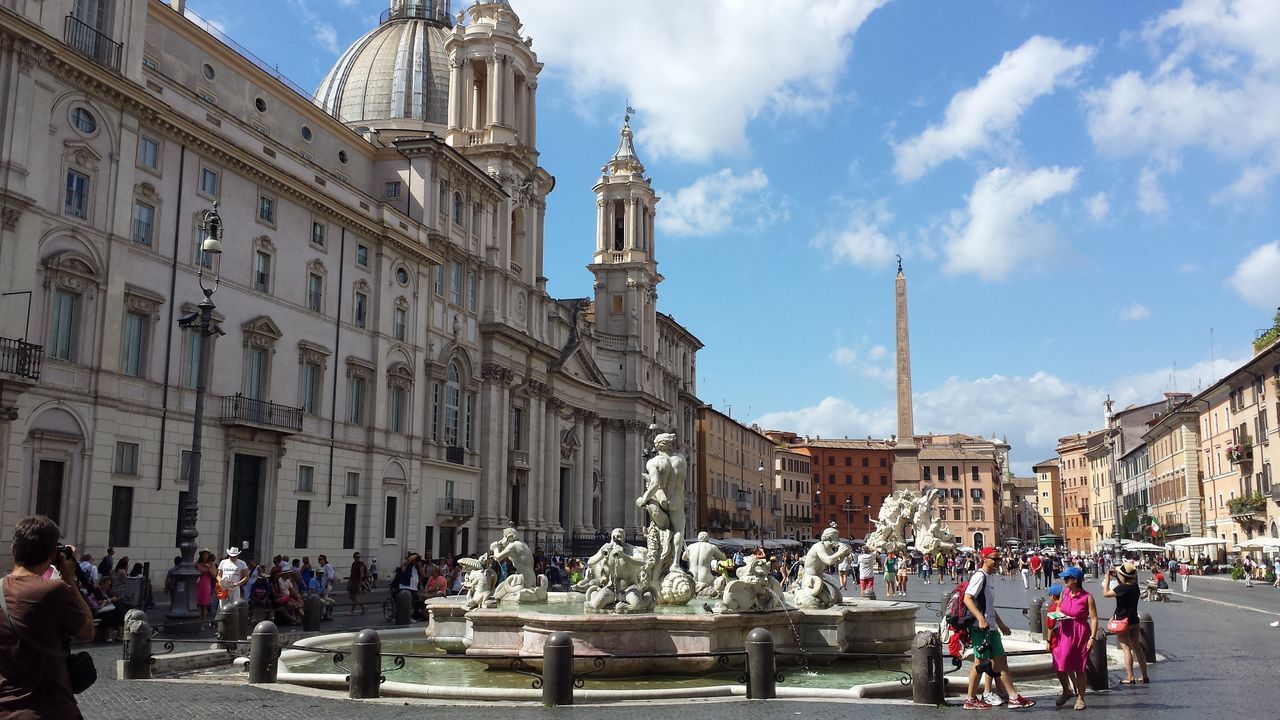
(861, 242)
(832, 417)
(208, 24)
(321, 31)
(1150, 198)
(1251, 183)
(717, 202)
(707, 68)
(847, 357)
(869, 366)
(1255, 277)
(1098, 207)
(878, 352)
(1135, 311)
(999, 232)
(976, 116)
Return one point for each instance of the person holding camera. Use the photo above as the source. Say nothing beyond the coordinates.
(41, 615)
(1124, 623)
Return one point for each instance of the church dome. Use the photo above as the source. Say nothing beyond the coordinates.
(397, 71)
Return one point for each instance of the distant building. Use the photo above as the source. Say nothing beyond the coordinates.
(1019, 518)
(793, 482)
(851, 479)
(1073, 464)
(1049, 500)
(1174, 476)
(970, 472)
(734, 464)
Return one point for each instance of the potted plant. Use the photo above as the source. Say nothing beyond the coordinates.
(1242, 453)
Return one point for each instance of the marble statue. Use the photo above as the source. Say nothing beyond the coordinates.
(663, 503)
(479, 583)
(931, 535)
(701, 555)
(618, 577)
(755, 590)
(521, 586)
(908, 507)
(813, 589)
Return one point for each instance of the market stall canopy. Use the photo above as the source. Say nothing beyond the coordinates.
(1195, 542)
(1144, 547)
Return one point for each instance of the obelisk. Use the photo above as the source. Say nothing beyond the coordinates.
(906, 455)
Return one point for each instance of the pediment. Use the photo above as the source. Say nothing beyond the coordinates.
(263, 325)
(578, 364)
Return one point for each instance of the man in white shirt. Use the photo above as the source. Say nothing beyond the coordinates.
(988, 645)
(233, 573)
(867, 572)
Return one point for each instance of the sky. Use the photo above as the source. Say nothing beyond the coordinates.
(1084, 194)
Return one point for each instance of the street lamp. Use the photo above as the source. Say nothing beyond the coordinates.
(760, 528)
(848, 516)
(186, 576)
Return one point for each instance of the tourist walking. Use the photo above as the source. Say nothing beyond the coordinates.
(867, 572)
(844, 568)
(1183, 573)
(355, 583)
(34, 680)
(1124, 622)
(986, 636)
(1077, 626)
(1275, 584)
(891, 575)
(1035, 563)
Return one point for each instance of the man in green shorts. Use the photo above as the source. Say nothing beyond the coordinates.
(986, 635)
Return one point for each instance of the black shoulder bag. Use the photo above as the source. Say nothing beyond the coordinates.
(80, 667)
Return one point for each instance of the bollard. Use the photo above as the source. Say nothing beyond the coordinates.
(1044, 621)
(264, 653)
(243, 618)
(927, 680)
(1147, 636)
(312, 611)
(137, 646)
(365, 680)
(761, 665)
(228, 626)
(1096, 668)
(1035, 619)
(557, 670)
(404, 607)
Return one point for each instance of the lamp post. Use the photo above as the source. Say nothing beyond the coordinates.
(817, 507)
(848, 516)
(760, 527)
(186, 575)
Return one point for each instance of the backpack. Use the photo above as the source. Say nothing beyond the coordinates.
(957, 613)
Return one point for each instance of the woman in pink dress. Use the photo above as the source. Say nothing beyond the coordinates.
(1077, 627)
(204, 586)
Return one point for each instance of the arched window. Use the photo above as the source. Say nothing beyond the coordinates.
(457, 208)
(452, 404)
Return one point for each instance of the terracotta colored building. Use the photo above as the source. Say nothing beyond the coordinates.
(851, 479)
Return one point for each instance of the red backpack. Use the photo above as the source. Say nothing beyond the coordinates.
(957, 612)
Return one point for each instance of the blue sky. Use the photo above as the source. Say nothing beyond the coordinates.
(1083, 193)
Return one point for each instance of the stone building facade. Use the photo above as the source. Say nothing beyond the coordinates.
(1049, 500)
(1073, 466)
(393, 374)
(734, 463)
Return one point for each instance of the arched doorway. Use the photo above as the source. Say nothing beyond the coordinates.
(53, 480)
(979, 541)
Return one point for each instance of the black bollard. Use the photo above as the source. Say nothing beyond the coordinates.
(761, 665)
(1035, 620)
(404, 607)
(312, 611)
(557, 670)
(228, 626)
(264, 653)
(242, 618)
(927, 680)
(1147, 636)
(1096, 668)
(137, 646)
(365, 680)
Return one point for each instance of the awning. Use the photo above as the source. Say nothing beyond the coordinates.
(1196, 542)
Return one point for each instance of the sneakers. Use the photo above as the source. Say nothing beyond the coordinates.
(992, 699)
(976, 704)
(1020, 702)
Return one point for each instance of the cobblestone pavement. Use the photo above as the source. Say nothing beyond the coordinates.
(1219, 647)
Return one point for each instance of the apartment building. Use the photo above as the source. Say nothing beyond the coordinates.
(737, 496)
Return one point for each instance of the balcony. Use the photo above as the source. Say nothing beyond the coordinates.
(87, 41)
(455, 455)
(518, 459)
(20, 359)
(240, 410)
(797, 520)
(452, 507)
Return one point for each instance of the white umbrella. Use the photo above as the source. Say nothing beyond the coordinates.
(1188, 542)
(1144, 547)
(964, 548)
(1249, 546)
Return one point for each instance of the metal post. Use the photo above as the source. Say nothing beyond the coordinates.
(1034, 621)
(137, 646)
(761, 665)
(228, 626)
(1096, 667)
(264, 653)
(927, 680)
(557, 670)
(312, 611)
(1147, 635)
(404, 607)
(365, 680)
(241, 609)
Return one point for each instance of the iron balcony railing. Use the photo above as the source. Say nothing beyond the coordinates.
(455, 507)
(93, 44)
(20, 358)
(405, 10)
(239, 408)
(455, 455)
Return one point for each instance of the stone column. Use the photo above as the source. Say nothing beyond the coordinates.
(531, 108)
(494, 88)
(602, 227)
(573, 521)
(455, 89)
(633, 439)
(606, 469)
(508, 92)
(493, 477)
(583, 500)
(636, 241)
(551, 472)
(537, 410)
(466, 103)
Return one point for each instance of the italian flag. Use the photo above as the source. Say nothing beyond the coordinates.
(1155, 527)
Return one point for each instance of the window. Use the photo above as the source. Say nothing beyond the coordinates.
(452, 404)
(467, 417)
(884, 479)
(362, 255)
(302, 524)
(184, 470)
(148, 153)
(133, 349)
(315, 292)
(311, 388)
(353, 485)
(435, 411)
(307, 135)
(615, 304)
(927, 475)
(517, 428)
(208, 181)
(64, 327)
(83, 121)
(437, 279)
(848, 479)
(391, 190)
(262, 271)
(975, 473)
(349, 527)
(457, 208)
(267, 209)
(357, 399)
(144, 215)
(455, 283)
(398, 323)
(121, 516)
(402, 276)
(126, 462)
(361, 309)
(955, 473)
(848, 461)
(955, 513)
(317, 233)
(77, 200)
(256, 374)
(306, 478)
(398, 400)
(191, 359)
(389, 525)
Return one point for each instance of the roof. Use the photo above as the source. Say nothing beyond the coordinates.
(953, 452)
(845, 444)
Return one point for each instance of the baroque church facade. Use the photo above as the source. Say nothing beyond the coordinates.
(392, 373)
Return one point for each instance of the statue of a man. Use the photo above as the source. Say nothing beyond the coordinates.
(618, 564)
(663, 499)
(700, 556)
(523, 582)
(814, 590)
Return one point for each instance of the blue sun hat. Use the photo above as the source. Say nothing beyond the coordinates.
(1055, 590)
(1073, 572)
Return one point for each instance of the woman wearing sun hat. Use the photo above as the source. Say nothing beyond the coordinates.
(1077, 626)
(1126, 592)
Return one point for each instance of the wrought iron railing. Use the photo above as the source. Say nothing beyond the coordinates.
(455, 455)
(260, 412)
(20, 358)
(455, 507)
(416, 11)
(93, 44)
